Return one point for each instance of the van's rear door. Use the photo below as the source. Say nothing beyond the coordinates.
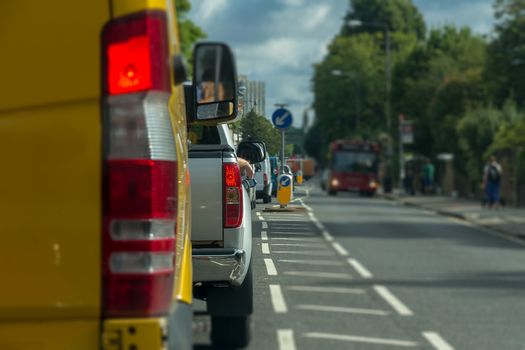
(50, 183)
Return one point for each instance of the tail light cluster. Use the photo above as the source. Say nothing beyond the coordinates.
(232, 192)
(140, 168)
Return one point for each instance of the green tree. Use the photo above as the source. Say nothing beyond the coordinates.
(256, 127)
(189, 32)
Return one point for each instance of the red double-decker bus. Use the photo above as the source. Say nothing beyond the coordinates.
(353, 166)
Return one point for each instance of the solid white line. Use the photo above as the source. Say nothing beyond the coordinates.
(276, 294)
(339, 290)
(319, 274)
(265, 248)
(358, 339)
(270, 267)
(302, 239)
(292, 233)
(285, 339)
(265, 225)
(306, 245)
(348, 310)
(363, 271)
(437, 341)
(396, 304)
(264, 236)
(261, 218)
(313, 262)
(340, 249)
(306, 252)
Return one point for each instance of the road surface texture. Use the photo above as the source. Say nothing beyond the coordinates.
(354, 273)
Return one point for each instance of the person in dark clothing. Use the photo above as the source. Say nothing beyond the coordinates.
(491, 182)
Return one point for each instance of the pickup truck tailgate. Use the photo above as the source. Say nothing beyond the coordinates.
(206, 191)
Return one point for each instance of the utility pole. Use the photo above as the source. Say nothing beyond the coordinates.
(281, 168)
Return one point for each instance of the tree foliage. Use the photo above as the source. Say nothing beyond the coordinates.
(256, 127)
(189, 32)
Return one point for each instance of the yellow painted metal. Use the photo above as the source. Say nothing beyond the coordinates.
(50, 334)
(50, 183)
(284, 193)
(126, 7)
(134, 333)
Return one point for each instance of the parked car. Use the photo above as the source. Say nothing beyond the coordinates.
(263, 174)
(96, 250)
(222, 231)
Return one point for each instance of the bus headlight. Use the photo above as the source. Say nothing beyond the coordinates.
(335, 182)
(372, 184)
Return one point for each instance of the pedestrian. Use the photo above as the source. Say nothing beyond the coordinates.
(428, 176)
(491, 182)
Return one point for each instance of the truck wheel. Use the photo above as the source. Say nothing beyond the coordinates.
(230, 309)
(332, 192)
(231, 332)
(267, 198)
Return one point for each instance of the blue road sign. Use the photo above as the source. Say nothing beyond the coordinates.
(285, 181)
(282, 118)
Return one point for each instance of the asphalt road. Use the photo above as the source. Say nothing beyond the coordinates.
(356, 273)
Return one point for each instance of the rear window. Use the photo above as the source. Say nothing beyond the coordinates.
(204, 135)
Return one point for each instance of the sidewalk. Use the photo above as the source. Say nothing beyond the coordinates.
(507, 220)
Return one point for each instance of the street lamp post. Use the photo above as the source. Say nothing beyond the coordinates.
(388, 78)
(357, 104)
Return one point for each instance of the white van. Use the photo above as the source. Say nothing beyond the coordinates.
(263, 176)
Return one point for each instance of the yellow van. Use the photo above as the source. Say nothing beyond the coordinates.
(94, 195)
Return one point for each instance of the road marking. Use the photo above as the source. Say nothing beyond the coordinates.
(302, 239)
(276, 294)
(391, 299)
(339, 290)
(265, 248)
(437, 341)
(270, 267)
(285, 339)
(313, 262)
(292, 233)
(265, 225)
(319, 274)
(315, 221)
(305, 252)
(361, 270)
(348, 310)
(358, 339)
(340, 249)
(307, 245)
(264, 236)
(327, 236)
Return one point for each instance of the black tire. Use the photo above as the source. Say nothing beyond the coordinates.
(267, 198)
(231, 332)
(332, 193)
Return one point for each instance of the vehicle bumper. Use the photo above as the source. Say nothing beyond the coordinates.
(219, 265)
(173, 332)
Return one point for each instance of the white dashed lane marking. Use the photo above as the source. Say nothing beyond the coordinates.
(312, 262)
(270, 267)
(391, 299)
(314, 274)
(361, 270)
(264, 225)
(264, 236)
(285, 339)
(349, 310)
(265, 248)
(340, 249)
(276, 294)
(339, 290)
(437, 341)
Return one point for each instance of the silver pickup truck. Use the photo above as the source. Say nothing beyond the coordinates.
(222, 231)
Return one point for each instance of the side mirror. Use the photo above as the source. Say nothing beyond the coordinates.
(214, 89)
(252, 151)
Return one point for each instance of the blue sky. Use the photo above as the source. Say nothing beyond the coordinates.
(278, 41)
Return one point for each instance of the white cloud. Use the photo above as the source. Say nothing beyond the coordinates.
(208, 9)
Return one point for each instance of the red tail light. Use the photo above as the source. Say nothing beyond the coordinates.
(140, 168)
(265, 179)
(232, 192)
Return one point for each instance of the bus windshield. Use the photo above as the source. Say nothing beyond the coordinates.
(355, 161)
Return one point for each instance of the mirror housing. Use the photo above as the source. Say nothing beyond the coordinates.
(252, 151)
(214, 91)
